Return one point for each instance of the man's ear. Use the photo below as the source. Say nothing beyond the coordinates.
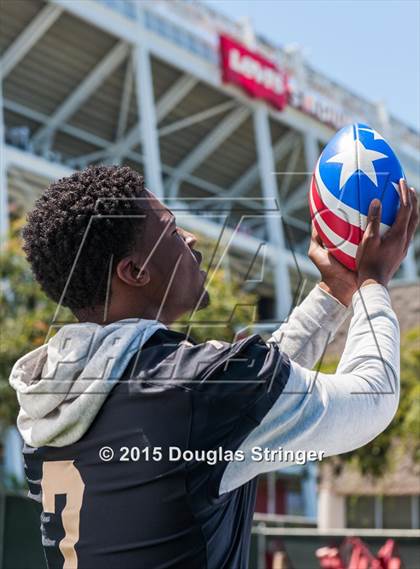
(132, 273)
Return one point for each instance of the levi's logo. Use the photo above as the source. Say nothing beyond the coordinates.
(253, 69)
(255, 74)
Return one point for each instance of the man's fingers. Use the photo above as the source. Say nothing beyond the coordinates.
(414, 217)
(315, 243)
(404, 213)
(374, 219)
(402, 186)
(315, 236)
(317, 253)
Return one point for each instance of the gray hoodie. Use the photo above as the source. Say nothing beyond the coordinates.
(62, 385)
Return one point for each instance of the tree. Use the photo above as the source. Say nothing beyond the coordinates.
(231, 308)
(25, 316)
(379, 455)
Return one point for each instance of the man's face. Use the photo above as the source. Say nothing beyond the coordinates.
(177, 282)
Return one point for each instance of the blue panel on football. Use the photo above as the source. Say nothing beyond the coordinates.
(358, 165)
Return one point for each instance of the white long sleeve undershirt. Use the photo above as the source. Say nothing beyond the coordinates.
(329, 413)
(311, 327)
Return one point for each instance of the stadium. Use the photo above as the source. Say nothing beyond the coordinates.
(227, 128)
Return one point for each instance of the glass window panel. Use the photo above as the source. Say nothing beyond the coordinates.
(360, 511)
(397, 512)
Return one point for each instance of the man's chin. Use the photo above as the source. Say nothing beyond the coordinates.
(204, 300)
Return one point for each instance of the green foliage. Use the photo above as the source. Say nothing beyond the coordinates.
(230, 310)
(25, 317)
(382, 453)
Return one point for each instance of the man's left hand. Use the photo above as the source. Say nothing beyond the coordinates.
(337, 280)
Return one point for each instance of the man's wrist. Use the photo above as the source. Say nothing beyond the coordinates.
(339, 291)
(366, 281)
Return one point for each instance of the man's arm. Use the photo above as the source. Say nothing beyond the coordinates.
(333, 413)
(314, 323)
(310, 327)
(340, 412)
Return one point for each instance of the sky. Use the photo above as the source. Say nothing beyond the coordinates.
(370, 46)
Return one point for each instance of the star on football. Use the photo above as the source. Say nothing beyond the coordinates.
(366, 159)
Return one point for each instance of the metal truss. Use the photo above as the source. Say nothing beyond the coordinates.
(74, 101)
(32, 33)
(125, 99)
(220, 133)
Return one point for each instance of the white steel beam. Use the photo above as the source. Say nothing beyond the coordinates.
(174, 95)
(108, 64)
(68, 129)
(250, 177)
(102, 17)
(21, 188)
(207, 146)
(289, 172)
(125, 99)
(4, 201)
(28, 38)
(35, 164)
(297, 198)
(148, 120)
(311, 151)
(283, 294)
(196, 118)
(410, 265)
(91, 157)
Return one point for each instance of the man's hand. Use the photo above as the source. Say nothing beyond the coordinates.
(337, 280)
(378, 258)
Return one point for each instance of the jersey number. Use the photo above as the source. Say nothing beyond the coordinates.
(62, 477)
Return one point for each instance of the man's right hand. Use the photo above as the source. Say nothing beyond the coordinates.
(379, 257)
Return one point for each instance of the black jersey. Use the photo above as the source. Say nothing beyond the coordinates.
(140, 490)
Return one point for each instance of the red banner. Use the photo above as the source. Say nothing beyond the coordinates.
(258, 76)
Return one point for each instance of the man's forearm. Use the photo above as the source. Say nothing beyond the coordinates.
(310, 327)
(334, 413)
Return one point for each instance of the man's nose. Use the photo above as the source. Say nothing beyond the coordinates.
(190, 238)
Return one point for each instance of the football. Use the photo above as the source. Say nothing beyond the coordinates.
(356, 166)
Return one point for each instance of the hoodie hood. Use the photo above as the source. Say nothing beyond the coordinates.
(62, 385)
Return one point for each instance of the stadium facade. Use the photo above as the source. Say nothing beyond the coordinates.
(226, 127)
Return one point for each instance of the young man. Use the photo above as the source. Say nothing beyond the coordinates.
(140, 443)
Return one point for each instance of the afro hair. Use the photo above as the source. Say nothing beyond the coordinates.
(79, 228)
